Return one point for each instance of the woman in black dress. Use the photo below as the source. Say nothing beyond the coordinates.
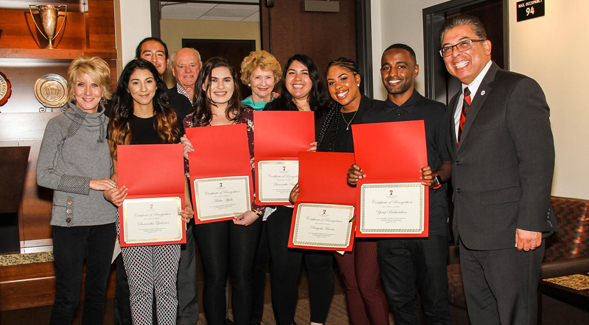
(302, 90)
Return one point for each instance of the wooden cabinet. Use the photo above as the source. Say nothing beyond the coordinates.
(89, 30)
(84, 33)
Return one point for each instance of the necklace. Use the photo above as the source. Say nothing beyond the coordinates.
(348, 123)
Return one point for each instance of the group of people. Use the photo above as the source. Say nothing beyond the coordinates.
(493, 142)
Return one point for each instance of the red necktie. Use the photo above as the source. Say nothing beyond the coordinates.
(465, 107)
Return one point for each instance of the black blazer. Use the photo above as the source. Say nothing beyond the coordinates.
(502, 170)
(180, 103)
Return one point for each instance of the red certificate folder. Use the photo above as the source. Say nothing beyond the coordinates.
(322, 180)
(220, 151)
(392, 152)
(151, 171)
(281, 135)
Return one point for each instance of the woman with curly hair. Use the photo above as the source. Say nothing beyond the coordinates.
(367, 303)
(226, 247)
(260, 71)
(141, 114)
(303, 89)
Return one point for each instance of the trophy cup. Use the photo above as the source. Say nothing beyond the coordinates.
(48, 15)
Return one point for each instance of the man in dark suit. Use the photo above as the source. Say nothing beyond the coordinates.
(502, 152)
(185, 64)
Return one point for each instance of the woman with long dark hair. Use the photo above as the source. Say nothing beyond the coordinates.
(141, 114)
(367, 303)
(303, 89)
(226, 247)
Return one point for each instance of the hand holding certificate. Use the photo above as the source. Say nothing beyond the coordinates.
(153, 175)
(392, 200)
(324, 211)
(220, 171)
(279, 137)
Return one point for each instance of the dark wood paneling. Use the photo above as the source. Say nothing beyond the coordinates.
(101, 25)
(322, 36)
(19, 31)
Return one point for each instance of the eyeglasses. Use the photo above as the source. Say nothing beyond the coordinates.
(460, 46)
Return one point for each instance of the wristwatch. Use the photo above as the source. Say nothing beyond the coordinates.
(438, 182)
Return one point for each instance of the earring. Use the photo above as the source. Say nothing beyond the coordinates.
(358, 85)
(249, 85)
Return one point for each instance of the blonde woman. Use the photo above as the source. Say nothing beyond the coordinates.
(75, 162)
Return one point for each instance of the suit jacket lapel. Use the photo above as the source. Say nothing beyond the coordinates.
(482, 94)
(452, 124)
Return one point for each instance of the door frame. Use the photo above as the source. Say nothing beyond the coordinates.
(433, 18)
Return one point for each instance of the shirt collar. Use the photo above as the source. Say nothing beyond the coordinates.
(476, 83)
(407, 105)
(181, 91)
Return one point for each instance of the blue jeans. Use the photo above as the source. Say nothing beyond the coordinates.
(70, 246)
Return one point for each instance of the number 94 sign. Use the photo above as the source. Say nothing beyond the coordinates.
(529, 9)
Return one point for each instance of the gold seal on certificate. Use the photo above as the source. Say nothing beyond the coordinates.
(152, 220)
(221, 197)
(276, 178)
(323, 225)
(392, 208)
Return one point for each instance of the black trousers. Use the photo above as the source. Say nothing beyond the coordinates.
(70, 245)
(285, 269)
(228, 249)
(405, 265)
(187, 291)
(501, 285)
(260, 268)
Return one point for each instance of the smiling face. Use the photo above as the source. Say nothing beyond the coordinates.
(343, 87)
(155, 53)
(142, 87)
(262, 83)
(398, 71)
(186, 68)
(87, 94)
(297, 81)
(467, 65)
(221, 86)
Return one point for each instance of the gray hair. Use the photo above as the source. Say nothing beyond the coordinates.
(463, 19)
(173, 57)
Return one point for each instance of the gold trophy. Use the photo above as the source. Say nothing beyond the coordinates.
(48, 15)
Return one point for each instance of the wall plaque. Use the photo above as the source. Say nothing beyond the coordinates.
(5, 89)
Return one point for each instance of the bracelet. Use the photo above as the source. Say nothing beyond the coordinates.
(257, 212)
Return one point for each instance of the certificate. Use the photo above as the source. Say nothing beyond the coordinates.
(323, 225)
(221, 197)
(276, 178)
(152, 220)
(392, 208)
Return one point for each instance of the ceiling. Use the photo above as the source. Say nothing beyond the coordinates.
(236, 10)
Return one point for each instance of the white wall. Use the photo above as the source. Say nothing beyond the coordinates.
(397, 21)
(132, 24)
(551, 49)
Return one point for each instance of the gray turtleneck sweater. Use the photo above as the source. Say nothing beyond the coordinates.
(75, 151)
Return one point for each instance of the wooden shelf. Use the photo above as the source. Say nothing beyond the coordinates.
(40, 53)
(56, 53)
